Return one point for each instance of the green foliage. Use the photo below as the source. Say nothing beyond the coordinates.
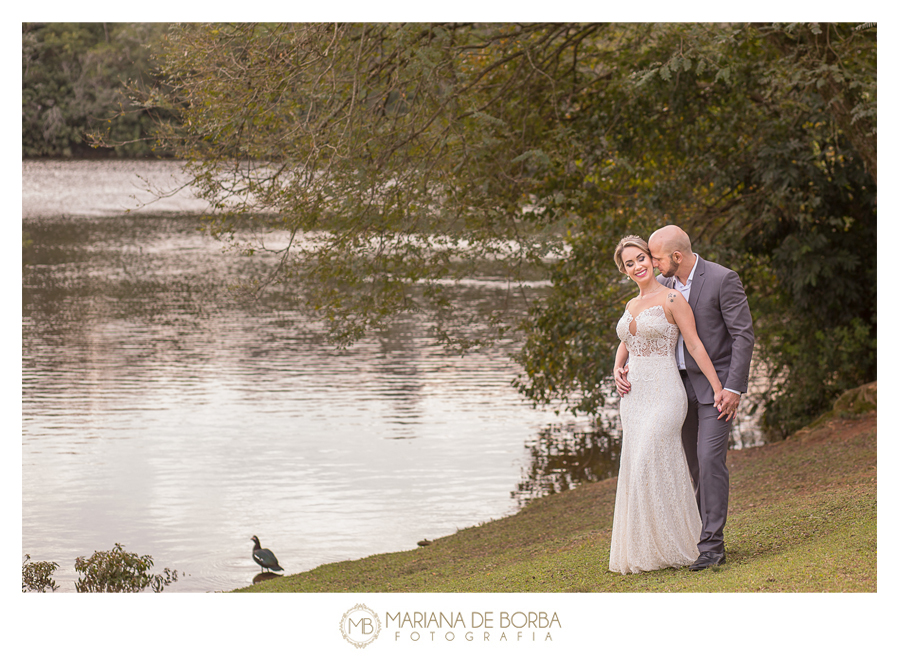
(118, 571)
(400, 159)
(568, 350)
(816, 318)
(73, 77)
(38, 576)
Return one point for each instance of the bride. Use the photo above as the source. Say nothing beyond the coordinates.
(656, 523)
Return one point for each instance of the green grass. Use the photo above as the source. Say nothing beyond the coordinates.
(802, 518)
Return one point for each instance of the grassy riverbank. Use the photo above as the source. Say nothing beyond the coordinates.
(802, 518)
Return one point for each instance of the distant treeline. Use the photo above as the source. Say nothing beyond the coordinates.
(73, 82)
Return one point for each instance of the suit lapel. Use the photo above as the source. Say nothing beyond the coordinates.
(697, 282)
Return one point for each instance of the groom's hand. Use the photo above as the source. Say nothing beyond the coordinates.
(727, 403)
(622, 383)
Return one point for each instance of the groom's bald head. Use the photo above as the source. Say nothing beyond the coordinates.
(670, 249)
(670, 239)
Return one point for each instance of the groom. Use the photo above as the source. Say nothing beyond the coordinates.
(724, 325)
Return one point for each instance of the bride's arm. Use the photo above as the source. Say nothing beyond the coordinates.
(677, 306)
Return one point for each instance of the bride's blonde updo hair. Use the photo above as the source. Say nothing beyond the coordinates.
(629, 241)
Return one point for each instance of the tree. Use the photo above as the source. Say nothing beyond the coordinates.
(400, 158)
(73, 77)
(365, 130)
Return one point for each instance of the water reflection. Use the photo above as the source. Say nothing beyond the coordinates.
(564, 455)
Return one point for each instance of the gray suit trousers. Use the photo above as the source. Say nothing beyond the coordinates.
(705, 441)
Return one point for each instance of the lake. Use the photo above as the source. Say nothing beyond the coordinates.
(161, 413)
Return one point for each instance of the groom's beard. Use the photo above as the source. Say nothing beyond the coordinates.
(669, 273)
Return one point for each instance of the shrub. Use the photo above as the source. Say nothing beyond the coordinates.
(36, 576)
(118, 571)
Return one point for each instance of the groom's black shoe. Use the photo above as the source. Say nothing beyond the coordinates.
(708, 559)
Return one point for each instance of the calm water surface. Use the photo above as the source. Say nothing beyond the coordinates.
(161, 414)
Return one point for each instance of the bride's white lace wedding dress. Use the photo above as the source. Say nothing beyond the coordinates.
(656, 522)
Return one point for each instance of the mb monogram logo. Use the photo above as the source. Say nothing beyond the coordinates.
(360, 626)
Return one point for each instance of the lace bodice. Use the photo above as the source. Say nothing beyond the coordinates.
(654, 334)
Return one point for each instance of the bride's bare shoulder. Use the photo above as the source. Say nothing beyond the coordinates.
(675, 303)
(674, 296)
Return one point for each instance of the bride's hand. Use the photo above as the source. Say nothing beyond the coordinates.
(623, 386)
(727, 403)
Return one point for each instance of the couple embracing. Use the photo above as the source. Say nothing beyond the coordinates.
(681, 367)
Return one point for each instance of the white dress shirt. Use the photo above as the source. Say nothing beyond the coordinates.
(685, 289)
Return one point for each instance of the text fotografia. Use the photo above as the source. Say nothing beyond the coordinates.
(480, 626)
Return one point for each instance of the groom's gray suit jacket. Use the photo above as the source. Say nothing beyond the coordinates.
(724, 325)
